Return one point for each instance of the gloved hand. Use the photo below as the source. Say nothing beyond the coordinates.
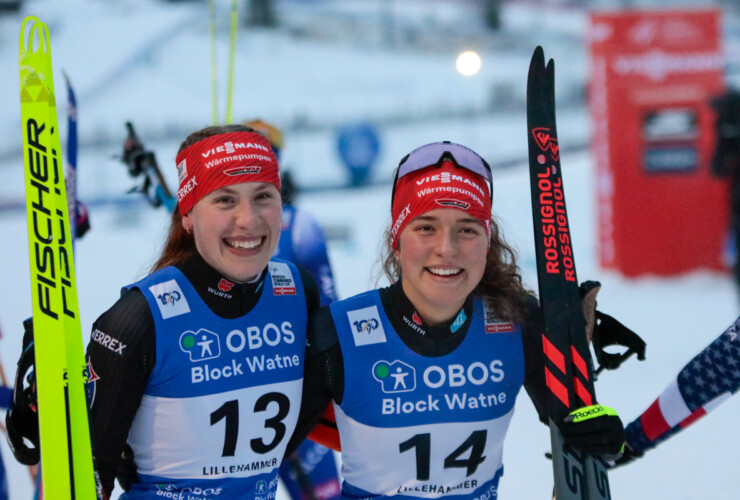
(609, 332)
(629, 455)
(82, 224)
(22, 420)
(603, 331)
(595, 430)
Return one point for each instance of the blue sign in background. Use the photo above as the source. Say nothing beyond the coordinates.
(358, 146)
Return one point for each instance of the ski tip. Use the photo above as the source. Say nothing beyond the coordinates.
(28, 31)
(536, 65)
(538, 56)
(551, 66)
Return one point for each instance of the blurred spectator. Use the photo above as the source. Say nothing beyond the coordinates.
(726, 160)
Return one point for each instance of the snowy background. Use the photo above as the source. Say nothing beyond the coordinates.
(332, 63)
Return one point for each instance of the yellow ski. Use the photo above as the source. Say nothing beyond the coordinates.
(66, 455)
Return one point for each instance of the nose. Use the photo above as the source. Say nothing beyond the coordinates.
(245, 214)
(446, 243)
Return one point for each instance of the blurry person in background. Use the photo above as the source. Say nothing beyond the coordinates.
(311, 471)
(6, 397)
(726, 164)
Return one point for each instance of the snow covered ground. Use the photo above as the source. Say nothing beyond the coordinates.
(148, 62)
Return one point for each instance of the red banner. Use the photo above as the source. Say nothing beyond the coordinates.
(653, 73)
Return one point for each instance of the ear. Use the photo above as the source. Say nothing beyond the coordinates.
(187, 223)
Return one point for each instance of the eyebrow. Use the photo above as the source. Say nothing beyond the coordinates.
(430, 218)
(229, 190)
(469, 220)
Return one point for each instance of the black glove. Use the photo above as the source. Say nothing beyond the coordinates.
(126, 472)
(595, 430)
(629, 455)
(133, 152)
(610, 332)
(22, 421)
(82, 224)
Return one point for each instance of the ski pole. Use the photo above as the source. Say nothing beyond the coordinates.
(232, 50)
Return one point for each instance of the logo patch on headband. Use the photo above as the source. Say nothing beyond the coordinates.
(186, 189)
(182, 170)
(231, 147)
(243, 170)
(449, 202)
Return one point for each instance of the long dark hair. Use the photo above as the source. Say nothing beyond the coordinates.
(180, 244)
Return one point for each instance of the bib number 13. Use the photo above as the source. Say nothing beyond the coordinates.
(229, 411)
(422, 443)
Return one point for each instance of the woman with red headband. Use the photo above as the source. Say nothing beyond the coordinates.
(424, 374)
(198, 367)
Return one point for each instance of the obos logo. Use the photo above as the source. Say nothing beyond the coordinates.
(395, 377)
(170, 299)
(260, 487)
(366, 326)
(200, 345)
(172, 491)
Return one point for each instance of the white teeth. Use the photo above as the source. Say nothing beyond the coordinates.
(245, 244)
(445, 271)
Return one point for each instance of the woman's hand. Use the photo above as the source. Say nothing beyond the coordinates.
(595, 430)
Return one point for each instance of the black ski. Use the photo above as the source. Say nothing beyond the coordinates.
(568, 365)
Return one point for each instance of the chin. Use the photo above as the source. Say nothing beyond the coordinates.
(243, 274)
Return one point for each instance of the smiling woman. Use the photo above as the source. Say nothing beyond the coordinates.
(424, 374)
(236, 228)
(180, 400)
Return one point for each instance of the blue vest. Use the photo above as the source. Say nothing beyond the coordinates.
(413, 426)
(223, 397)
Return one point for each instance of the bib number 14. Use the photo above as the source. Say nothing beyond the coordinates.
(422, 443)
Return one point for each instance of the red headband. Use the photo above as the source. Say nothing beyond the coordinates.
(446, 186)
(221, 160)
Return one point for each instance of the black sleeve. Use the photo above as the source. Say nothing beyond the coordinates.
(121, 354)
(533, 327)
(323, 377)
